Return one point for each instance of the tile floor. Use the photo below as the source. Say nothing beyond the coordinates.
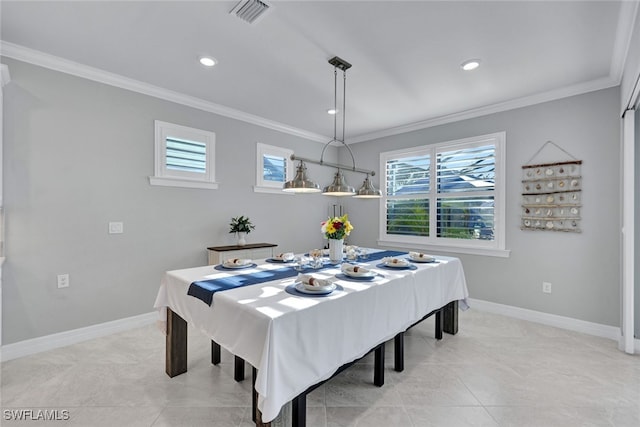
(497, 371)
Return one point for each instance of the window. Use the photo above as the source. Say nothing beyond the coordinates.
(447, 196)
(184, 157)
(273, 168)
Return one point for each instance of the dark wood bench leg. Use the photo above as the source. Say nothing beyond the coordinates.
(176, 345)
(238, 368)
(439, 324)
(215, 352)
(398, 352)
(450, 321)
(299, 411)
(378, 366)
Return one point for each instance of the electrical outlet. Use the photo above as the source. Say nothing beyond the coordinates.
(116, 228)
(63, 280)
(546, 287)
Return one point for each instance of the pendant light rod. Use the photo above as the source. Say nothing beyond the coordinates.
(333, 165)
(339, 186)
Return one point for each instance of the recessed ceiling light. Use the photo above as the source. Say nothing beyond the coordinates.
(332, 111)
(471, 64)
(207, 61)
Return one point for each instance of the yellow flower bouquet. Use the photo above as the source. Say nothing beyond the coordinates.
(337, 227)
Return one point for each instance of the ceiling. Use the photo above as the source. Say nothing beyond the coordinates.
(406, 55)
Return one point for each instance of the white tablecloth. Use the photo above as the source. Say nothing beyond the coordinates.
(296, 342)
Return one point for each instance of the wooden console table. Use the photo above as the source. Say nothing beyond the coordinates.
(219, 254)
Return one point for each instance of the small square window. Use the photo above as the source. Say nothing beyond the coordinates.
(184, 157)
(273, 168)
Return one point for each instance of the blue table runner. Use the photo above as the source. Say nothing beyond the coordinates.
(204, 289)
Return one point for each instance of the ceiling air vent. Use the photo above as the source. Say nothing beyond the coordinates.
(250, 10)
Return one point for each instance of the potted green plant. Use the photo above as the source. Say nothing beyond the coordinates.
(242, 226)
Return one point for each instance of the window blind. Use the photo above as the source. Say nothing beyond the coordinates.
(183, 155)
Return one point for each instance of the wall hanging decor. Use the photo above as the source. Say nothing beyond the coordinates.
(552, 194)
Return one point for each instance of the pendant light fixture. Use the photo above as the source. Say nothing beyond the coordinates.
(368, 191)
(301, 184)
(339, 187)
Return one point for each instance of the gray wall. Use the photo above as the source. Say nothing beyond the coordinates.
(583, 268)
(78, 155)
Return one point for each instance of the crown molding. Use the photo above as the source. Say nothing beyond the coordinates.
(55, 63)
(578, 89)
(35, 57)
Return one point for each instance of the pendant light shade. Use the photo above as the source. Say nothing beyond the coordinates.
(368, 191)
(301, 183)
(339, 187)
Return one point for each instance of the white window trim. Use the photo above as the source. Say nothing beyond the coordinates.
(262, 185)
(474, 247)
(173, 178)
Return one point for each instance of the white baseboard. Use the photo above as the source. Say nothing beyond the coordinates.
(62, 339)
(590, 328)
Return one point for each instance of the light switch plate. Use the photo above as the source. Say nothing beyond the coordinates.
(63, 280)
(116, 228)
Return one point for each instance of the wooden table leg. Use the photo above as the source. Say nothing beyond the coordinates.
(176, 345)
(450, 321)
(256, 415)
(378, 366)
(439, 324)
(238, 368)
(215, 352)
(254, 395)
(299, 411)
(398, 352)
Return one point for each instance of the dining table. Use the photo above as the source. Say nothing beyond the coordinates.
(295, 340)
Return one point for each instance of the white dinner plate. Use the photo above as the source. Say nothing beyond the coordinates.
(275, 259)
(300, 287)
(352, 274)
(430, 259)
(225, 265)
(404, 264)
